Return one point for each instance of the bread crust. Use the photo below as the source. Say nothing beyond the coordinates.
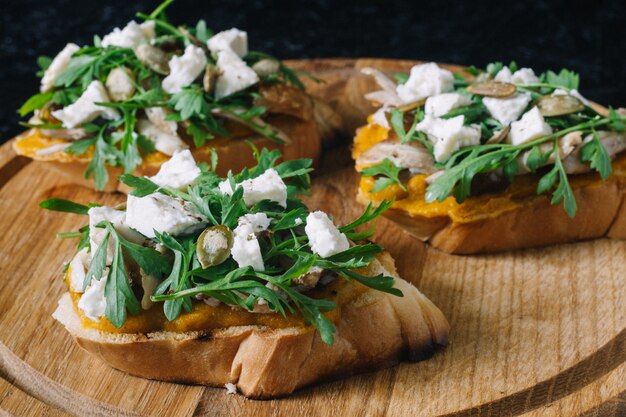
(601, 212)
(376, 330)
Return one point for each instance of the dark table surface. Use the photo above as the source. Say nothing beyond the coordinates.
(585, 36)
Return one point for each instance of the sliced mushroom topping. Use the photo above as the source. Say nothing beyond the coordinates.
(388, 95)
(310, 278)
(559, 105)
(499, 135)
(412, 156)
(69, 134)
(613, 142)
(492, 89)
(154, 58)
(210, 77)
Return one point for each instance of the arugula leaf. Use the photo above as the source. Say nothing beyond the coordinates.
(616, 121)
(389, 172)
(98, 262)
(190, 102)
(59, 204)
(35, 102)
(379, 282)
(565, 78)
(595, 153)
(142, 185)
(536, 158)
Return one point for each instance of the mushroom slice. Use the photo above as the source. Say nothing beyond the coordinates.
(153, 57)
(404, 155)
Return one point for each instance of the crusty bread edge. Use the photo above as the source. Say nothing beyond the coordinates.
(376, 330)
(534, 223)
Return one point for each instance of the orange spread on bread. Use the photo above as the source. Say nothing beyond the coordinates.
(411, 201)
(205, 317)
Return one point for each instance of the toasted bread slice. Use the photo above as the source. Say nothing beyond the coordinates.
(375, 330)
(291, 112)
(517, 218)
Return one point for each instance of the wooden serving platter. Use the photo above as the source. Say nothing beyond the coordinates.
(534, 332)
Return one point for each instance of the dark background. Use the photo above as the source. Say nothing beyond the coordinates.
(586, 36)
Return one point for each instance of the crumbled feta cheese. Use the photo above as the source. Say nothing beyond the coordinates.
(246, 250)
(118, 220)
(298, 221)
(164, 142)
(259, 221)
(229, 40)
(57, 66)
(85, 108)
(444, 103)
(231, 388)
(574, 93)
(120, 84)
(93, 302)
(267, 186)
(131, 36)
(324, 237)
(507, 109)
(380, 118)
(78, 270)
(162, 213)
(158, 115)
(184, 69)
(148, 284)
(449, 135)
(235, 74)
(179, 172)
(521, 76)
(425, 80)
(530, 126)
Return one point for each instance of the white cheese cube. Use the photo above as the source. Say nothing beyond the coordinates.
(325, 238)
(93, 302)
(57, 66)
(232, 40)
(164, 142)
(507, 109)
(162, 213)
(179, 172)
(259, 221)
(85, 108)
(444, 103)
(448, 135)
(530, 126)
(184, 69)
(267, 186)
(425, 80)
(574, 93)
(380, 118)
(78, 270)
(246, 250)
(235, 74)
(118, 220)
(521, 76)
(131, 36)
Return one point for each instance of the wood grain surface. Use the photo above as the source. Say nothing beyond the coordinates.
(534, 332)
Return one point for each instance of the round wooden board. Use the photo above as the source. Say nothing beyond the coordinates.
(535, 332)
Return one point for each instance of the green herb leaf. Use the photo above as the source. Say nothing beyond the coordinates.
(389, 172)
(59, 204)
(595, 153)
(35, 103)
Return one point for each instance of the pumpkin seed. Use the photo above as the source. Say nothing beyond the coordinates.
(214, 245)
(559, 105)
(492, 89)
